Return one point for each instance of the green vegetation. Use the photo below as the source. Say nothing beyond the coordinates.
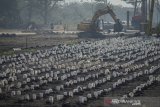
(8, 40)
(9, 13)
(20, 13)
(15, 13)
(11, 52)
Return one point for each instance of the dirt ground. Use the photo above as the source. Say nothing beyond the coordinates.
(34, 41)
(151, 97)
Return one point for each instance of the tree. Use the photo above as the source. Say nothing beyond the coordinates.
(9, 13)
(104, 1)
(36, 10)
(46, 6)
(31, 5)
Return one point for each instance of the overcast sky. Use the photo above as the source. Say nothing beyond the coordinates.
(118, 2)
(114, 2)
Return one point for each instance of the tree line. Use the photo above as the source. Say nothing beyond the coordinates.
(20, 13)
(14, 13)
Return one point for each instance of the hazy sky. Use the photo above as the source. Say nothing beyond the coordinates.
(114, 2)
(118, 2)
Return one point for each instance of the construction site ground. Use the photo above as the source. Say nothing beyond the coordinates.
(32, 42)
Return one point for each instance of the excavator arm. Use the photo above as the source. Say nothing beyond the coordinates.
(102, 12)
(93, 25)
(107, 10)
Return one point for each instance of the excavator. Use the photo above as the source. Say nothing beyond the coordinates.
(93, 26)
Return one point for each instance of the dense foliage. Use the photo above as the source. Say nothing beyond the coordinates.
(19, 13)
(9, 13)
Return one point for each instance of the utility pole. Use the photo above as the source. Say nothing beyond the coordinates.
(45, 11)
(127, 19)
(92, 6)
(26, 41)
(135, 7)
(144, 10)
(158, 13)
(151, 17)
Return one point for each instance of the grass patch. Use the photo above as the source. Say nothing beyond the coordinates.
(72, 42)
(4, 40)
(11, 52)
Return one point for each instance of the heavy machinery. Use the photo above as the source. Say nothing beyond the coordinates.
(139, 16)
(140, 20)
(140, 13)
(93, 25)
